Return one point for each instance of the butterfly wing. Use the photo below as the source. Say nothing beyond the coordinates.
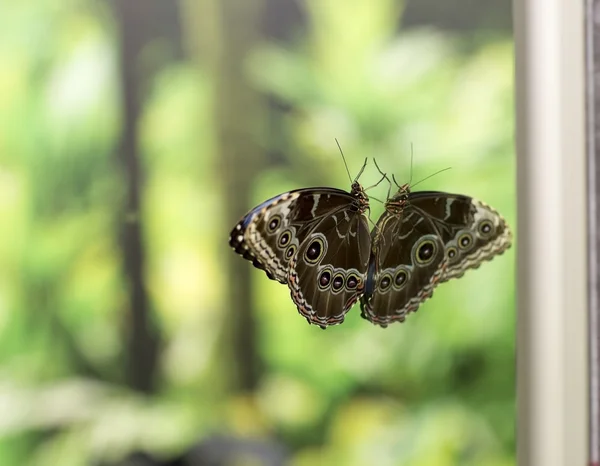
(327, 274)
(299, 238)
(270, 234)
(472, 231)
(406, 263)
(255, 236)
(465, 232)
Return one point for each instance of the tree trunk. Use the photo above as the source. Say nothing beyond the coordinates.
(142, 335)
(221, 33)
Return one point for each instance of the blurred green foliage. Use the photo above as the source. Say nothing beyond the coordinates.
(437, 390)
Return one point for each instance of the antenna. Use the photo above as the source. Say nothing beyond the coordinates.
(411, 165)
(345, 164)
(384, 176)
(361, 170)
(377, 184)
(426, 178)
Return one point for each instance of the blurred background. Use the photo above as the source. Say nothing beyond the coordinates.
(135, 133)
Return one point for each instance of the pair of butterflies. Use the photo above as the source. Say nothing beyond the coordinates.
(317, 241)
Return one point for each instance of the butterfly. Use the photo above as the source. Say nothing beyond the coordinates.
(315, 240)
(421, 240)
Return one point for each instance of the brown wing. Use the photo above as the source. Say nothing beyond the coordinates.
(472, 231)
(468, 231)
(270, 234)
(327, 274)
(406, 263)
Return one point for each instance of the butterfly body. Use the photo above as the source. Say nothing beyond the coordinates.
(315, 240)
(423, 239)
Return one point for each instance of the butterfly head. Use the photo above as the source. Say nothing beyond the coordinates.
(398, 201)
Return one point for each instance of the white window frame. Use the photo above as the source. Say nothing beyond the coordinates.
(553, 411)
